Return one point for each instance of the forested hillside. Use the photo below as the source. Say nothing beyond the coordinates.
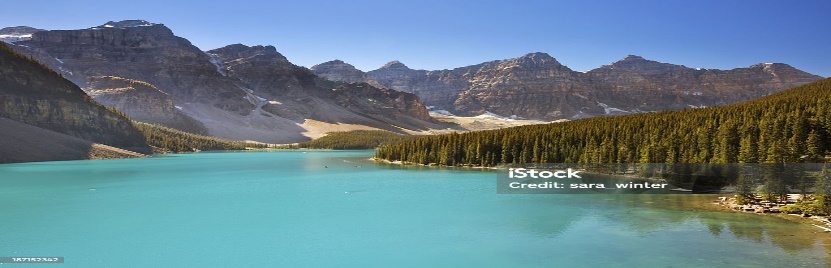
(33, 94)
(164, 140)
(356, 139)
(790, 126)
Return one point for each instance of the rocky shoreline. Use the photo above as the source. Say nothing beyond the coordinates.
(758, 206)
(407, 163)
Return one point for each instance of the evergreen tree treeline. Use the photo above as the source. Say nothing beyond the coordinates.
(790, 126)
(356, 139)
(166, 139)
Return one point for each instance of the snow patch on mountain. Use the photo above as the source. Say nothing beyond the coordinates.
(124, 24)
(488, 114)
(579, 115)
(218, 63)
(611, 110)
(17, 33)
(441, 112)
(11, 38)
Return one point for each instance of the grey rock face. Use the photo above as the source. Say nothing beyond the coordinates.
(141, 101)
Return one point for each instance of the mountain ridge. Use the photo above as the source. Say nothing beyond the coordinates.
(536, 85)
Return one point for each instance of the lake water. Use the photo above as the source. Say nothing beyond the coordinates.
(337, 209)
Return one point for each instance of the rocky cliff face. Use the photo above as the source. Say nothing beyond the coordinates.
(141, 101)
(338, 70)
(531, 86)
(537, 86)
(236, 92)
(33, 94)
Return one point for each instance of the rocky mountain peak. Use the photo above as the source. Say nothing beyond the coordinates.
(334, 64)
(631, 57)
(631, 60)
(337, 70)
(536, 60)
(644, 66)
(539, 56)
(126, 24)
(395, 65)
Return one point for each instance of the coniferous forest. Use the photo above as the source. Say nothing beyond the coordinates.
(786, 127)
(164, 140)
(355, 139)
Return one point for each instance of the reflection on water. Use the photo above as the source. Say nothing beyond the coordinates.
(792, 235)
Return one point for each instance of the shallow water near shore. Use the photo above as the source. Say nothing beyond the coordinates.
(337, 209)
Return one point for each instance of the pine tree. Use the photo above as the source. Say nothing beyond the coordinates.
(814, 147)
(744, 188)
(823, 191)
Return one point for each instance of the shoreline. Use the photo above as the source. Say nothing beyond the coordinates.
(406, 163)
(728, 203)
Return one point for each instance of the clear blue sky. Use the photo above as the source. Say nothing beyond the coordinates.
(447, 34)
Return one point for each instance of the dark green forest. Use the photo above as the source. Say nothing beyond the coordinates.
(165, 140)
(356, 139)
(790, 126)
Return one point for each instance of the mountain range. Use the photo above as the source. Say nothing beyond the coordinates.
(537, 86)
(255, 93)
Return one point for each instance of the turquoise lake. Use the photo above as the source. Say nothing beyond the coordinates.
(338, 209)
